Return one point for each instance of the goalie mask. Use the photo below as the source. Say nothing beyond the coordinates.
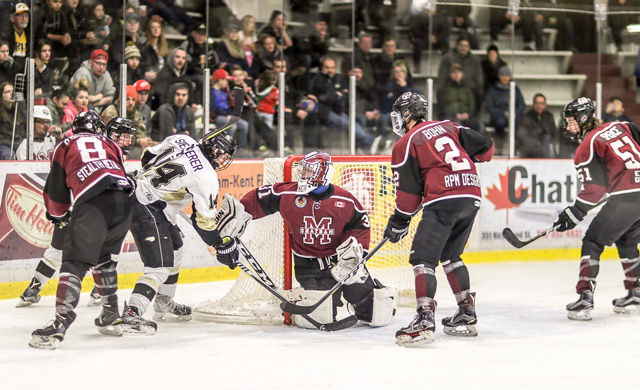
(315, 171)
(219, 150)
(410, 105)
(582, 110)
(123, 132)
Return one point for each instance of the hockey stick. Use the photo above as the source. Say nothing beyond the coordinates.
(263, 279)
(511, 238)
(295, 309)
(238, 101)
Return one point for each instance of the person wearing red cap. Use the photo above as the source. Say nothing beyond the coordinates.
(144, 89)
(101, 86)
(220, 107)
(142, 139)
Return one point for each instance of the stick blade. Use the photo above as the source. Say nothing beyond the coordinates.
(344, 323)
(511, 238)
(292, 308)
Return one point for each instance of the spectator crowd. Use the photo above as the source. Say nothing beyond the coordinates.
(78, 46)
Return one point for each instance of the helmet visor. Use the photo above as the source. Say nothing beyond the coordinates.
(396, 123)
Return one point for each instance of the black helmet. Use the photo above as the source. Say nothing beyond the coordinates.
(219, 150)
(88, 122)
(583, 111)
(116, 128)
(410, 105)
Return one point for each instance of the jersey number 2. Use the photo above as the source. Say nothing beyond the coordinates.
(452, 156)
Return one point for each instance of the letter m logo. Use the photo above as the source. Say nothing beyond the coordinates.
(322, 229)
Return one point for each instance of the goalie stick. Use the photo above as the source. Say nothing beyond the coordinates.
(295, 309)
(238, 101)
(263, 279)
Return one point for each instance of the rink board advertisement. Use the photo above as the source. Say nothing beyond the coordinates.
(526, 195)
(25, 232)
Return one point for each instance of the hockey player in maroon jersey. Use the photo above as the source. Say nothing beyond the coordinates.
(433, 165)
(329, 232)
(121, 131)
(87, 170)
(608, 162)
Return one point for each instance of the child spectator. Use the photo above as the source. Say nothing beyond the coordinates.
(143, 88)
(267, 94)
(248, 36)
(51, 23)
(79, 101)
(221, 108)
(98, 32)
(615, 111)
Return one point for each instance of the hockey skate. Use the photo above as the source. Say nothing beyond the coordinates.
(109, 322)
(629, 304)
(53, 333)
(29, 297)
(133, 322)
(166, 308)
(420, 331)
(580, 310)
(94, 298)
(463, 322)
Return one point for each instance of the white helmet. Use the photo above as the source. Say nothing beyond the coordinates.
(42, 112)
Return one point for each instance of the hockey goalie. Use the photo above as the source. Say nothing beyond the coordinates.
(330, 233)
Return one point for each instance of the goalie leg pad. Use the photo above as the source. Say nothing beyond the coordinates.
(323, 314)
(385, 303)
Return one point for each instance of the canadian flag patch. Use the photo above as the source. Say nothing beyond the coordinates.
(340, 204)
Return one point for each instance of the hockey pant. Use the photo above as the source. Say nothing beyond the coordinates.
(440, 237)
(160, 246)
(618, 222)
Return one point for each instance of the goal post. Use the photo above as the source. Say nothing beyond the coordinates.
(370, 180)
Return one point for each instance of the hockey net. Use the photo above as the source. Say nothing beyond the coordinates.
(370, 180)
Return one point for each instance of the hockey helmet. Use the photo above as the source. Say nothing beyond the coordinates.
(582, 110)
(88, 122)
(123, 132)
(315, 171)
(219, 150)
(410, 105)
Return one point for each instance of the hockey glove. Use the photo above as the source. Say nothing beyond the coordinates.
(227, 252)
(397, 228)
(131, 178)
(60, 222)
(569, 218)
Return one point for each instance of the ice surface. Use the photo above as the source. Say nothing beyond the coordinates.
(525, 342)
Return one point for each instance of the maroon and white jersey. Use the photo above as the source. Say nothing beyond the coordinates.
(83, 166)
(434, 161)
(607, 161)
(317, 224)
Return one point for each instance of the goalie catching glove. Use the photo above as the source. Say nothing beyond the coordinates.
(227, 252)
(231, 219)
(569, 218)
(349, 255)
